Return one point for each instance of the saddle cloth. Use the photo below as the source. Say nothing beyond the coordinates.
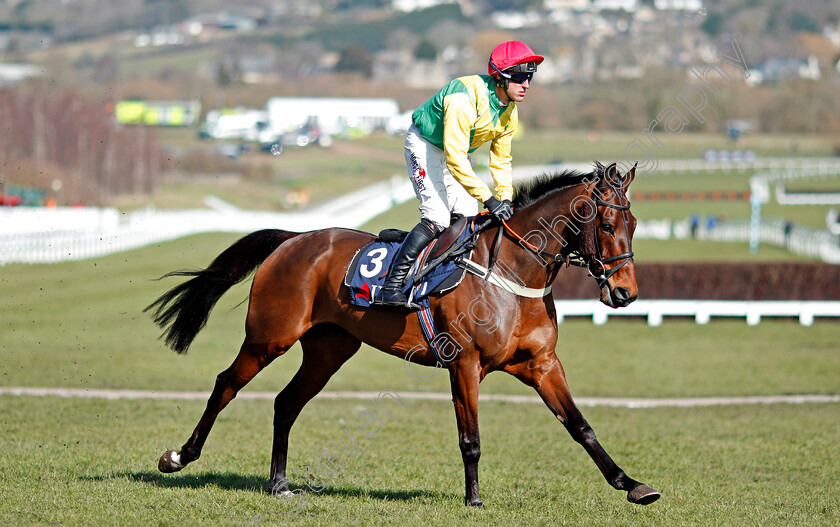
(369, 269)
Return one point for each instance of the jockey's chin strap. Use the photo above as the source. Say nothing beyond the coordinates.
(596, 264)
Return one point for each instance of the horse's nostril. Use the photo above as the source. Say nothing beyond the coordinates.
(622, 294)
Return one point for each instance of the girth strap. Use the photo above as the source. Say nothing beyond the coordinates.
(427, 324)
(494, 278)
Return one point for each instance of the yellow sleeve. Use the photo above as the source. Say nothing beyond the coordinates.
(459, 116)
(500, 160)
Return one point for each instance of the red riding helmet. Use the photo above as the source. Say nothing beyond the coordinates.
(513, 56)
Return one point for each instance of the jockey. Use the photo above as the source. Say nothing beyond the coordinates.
(462, 116)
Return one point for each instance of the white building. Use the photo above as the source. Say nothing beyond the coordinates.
(573, 5)
(11, 73)
(685, 5)
(331, 115)
(407, 6)
(517, 19)
(615, 5)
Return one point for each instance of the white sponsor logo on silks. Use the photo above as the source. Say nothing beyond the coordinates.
(417, 173)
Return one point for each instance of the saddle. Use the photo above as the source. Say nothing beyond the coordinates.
(431, 275)
(443, 242)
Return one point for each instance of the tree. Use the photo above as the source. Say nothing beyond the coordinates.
(65, 134)
(426, 50)
(713, 24)
(165, 12)
(355, 58)
(801, 22)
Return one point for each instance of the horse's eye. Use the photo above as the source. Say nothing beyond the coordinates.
(606, 227)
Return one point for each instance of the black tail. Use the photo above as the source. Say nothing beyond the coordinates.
(186, 307)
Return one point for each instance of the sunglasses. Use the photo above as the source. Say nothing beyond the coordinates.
(520, 78)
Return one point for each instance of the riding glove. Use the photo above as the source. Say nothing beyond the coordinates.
(500, 209)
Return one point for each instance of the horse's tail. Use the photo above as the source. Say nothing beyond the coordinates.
(186, 307)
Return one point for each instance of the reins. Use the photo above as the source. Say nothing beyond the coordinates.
(573, 258)
(601, 273)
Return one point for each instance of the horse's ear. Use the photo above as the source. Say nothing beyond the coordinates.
(611, 176)
(629, 177)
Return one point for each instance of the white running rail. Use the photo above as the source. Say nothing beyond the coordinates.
(42, 235)
(701, 310)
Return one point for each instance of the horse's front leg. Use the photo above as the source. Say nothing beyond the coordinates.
(545, 374)
(464, 379)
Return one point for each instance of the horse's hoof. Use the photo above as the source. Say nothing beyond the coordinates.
(279, 488)
(643, 495)
(170, 461)
(475, 503)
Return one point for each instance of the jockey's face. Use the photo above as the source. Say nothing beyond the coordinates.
(516, 92)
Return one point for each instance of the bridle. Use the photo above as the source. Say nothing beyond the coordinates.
(604, 274)
(596, 264)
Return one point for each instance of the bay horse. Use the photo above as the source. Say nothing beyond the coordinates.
(298, 294)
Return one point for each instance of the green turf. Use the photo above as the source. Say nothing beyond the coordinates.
(657, 251)
(81, 324)
(93, 462)
(324, 176)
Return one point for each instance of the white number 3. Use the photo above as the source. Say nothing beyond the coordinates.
(376, 257)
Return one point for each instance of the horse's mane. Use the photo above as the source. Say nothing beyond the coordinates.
(530, 191)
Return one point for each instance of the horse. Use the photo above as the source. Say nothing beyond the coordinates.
(298, 294)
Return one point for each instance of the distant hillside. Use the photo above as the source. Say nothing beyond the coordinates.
(771, 24)
(75, 19)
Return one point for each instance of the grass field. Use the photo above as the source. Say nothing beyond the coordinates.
(93, 462)
(74, 462)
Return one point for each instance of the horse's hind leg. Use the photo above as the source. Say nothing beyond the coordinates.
(546, 375)
(325, 348)
(251, 360)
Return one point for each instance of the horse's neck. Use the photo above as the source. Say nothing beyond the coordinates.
(549, 224)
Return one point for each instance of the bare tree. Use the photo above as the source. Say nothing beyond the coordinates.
(80, 144)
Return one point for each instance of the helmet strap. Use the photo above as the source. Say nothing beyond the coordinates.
(502, 94)
(503, 79)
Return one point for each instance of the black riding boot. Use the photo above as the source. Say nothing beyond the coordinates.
(419, 237)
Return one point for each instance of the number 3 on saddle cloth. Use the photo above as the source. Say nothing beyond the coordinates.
(369, 267)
